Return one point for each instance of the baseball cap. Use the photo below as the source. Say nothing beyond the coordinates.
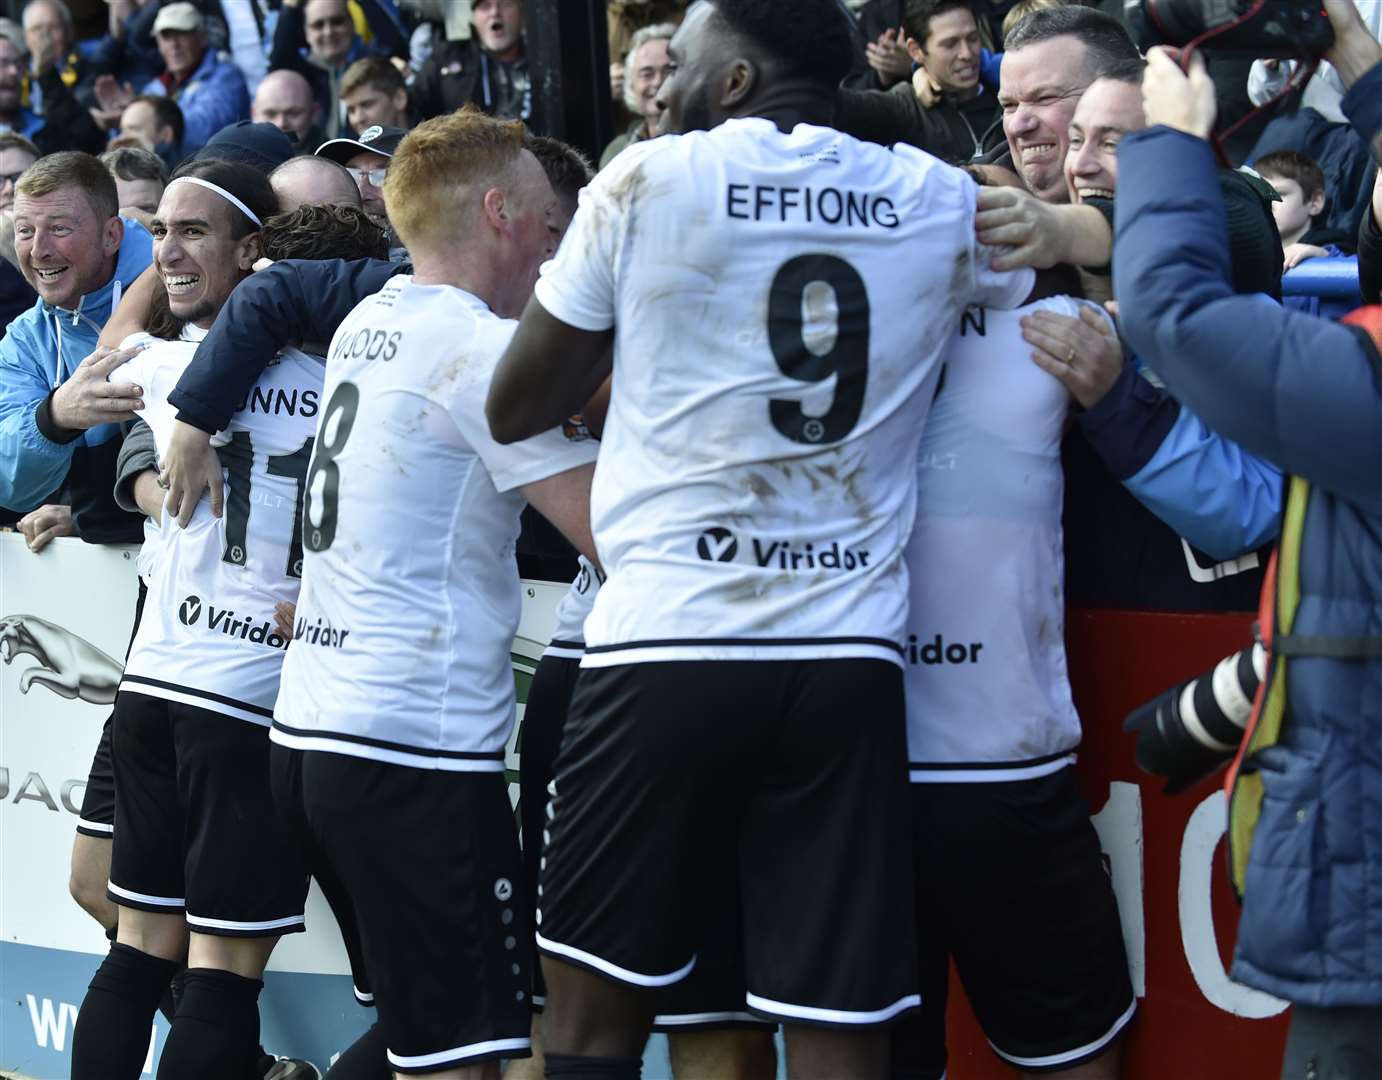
(376, 139)
(179, 16)
(262, 146)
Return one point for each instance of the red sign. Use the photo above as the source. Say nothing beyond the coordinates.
(1166, 856)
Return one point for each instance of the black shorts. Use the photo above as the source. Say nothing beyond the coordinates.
(198, 831)
(1014, 887)
(347, 920)
(98, 797)
(800, 769)
(712, 996)
(430, 862)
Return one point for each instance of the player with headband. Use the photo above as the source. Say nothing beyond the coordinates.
(200, 866)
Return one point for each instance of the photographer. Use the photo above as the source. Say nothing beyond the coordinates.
(1305, 829)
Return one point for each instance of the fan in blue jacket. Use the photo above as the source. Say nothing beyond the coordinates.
(40, 351)
(1306, 394)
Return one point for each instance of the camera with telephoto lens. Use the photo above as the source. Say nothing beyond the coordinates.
(1190, 731)
(1278, 28)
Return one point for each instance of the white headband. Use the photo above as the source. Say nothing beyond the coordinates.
(223, 193)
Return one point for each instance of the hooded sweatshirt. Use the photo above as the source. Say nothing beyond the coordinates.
(41, 349)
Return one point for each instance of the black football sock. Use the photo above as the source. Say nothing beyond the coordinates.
(111, 1038)
(571, 1067)
(216, 1033)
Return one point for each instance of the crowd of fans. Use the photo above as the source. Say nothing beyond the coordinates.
(1162, 509)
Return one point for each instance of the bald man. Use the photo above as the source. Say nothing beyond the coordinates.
(285, 99)
(313, 181)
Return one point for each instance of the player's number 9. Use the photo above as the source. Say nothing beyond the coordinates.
(847, 359)
(319, 524)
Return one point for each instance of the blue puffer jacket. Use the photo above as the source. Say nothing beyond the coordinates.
(40, 350)
(1306, 394)
(215, 95)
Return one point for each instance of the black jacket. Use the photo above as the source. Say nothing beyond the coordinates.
(1370, 259)
(459, 73)
(957, 133)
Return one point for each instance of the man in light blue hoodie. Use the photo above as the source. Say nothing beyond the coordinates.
(59, 418)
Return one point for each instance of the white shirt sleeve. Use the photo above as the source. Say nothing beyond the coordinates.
(1000, 289)
(516, 464)
(136, 368)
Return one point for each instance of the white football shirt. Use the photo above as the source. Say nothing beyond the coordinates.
(410, 596)
(568, 636)
(988, 693)
(207, 635)
(780, 303)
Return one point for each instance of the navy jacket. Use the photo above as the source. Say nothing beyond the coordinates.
(1306, 394)
(294, 302)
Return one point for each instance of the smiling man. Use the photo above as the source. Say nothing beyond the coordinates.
(964, 123)
(56, 409)
(1052, 58)
(201, 864)
(1109, 109)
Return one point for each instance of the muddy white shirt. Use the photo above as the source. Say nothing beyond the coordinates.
(780, 303)
(207, 635)
(988, 693)
(410, 596)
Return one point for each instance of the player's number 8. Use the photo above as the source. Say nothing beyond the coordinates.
(847, 359)
(319, 528)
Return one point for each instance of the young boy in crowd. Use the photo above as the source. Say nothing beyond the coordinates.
(1300, 183)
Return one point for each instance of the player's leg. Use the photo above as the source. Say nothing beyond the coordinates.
(246, 886)
(367, 1057)
(1047, 977)
(430, 861)
(91, 846)
(654, 762)
(539, 739)
(89, 874)
(589, 1016)
(111, 1037)
(727, 1054)
(826, 863)
(710, 1031)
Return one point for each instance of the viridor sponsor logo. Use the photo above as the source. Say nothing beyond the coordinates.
(319, 633)
(717, 545)
(939, 651)
(229, 623)
(721, 545)
(190, 611)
